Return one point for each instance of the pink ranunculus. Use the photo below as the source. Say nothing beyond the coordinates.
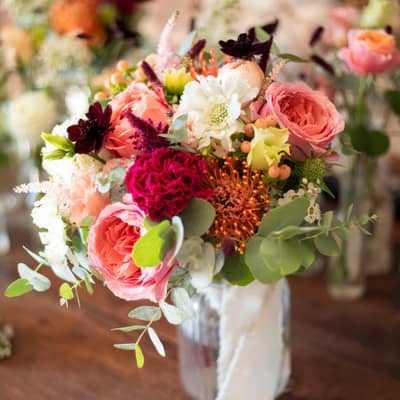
(311, 118)
(84, 199)
(370, 52)
(141, 102)
(340, 21)
(110, 243)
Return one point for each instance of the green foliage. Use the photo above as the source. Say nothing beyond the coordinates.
(156, 342)
(150, 249)
(327, 245)
(18, 288)
(63, 147)
(115, 178)
(177, 132)
(39, 282)
(292, 58)
(292, 213)
(197, 217)
(235, 271)
(139, 356)
(145, 313)
(131, 328)
(181, 310)
(66, 292)
(371, 142)
(393, 99)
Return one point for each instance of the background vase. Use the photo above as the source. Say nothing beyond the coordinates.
(201, 341)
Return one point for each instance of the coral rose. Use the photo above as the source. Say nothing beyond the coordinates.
(370, 52)
(312, 120)
(110, 243)
(142, 103)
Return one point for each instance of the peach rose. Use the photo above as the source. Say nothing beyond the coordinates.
(340, 21)
(370, 52)
(312, 120)
(110, 244)
(143, 103)
(84, 199)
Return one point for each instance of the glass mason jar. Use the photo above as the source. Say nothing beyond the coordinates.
(199, 344)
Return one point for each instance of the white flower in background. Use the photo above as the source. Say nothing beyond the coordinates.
(30, 114)
(17, 45)
(77, 101)
(57, 55)
(213, 106)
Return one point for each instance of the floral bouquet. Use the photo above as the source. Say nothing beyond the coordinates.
(359, 62)
(192, 167)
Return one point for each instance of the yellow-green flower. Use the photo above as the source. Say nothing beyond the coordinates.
(175, 81)
(268, 147)
(379, 13)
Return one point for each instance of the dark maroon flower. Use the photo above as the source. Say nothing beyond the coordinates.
(146, 136)
(271, 27)
(323, 64)
(88, 134)
(162, 182)
(316, 36)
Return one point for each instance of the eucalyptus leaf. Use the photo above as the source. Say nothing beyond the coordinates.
(145, 313)
(179, 232)
(197, 217)
(39, 282)
(292, 58)
(139, 356)
(125, 346)
(327, 245)
(66, 291)
(307, 250)
(181, 299)
(36, 257)
(131, 328)
(236, 272)
(173, 314)
(156, 341)
(18, 288)
(327, 220)
(150, 249)
(177, 132)
(202, 271)
(292, 213)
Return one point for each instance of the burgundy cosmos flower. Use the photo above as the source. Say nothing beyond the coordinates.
(162, 182)
(88, 134)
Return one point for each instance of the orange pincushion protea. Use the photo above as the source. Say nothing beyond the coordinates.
(240, 200)
(80, 16)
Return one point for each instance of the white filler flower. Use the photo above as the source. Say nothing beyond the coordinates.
(31, 114)
(213, 106)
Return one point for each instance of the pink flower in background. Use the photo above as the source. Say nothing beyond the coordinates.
(140, 101)
(110, 243)
(163, 182)
(370, 52)
(84, 200)
(311, 118)
(340, 21)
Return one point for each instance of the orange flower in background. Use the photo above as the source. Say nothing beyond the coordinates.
(80, 16)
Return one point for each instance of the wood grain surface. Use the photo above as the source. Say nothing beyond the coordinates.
(341, 351)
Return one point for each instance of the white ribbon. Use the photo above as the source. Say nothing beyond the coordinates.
(251, 342)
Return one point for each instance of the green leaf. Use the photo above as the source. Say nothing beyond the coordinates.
(59, 142)
(36, 257)
(327, 245)
(139, 356)
(173, 314)
(145, 313)
(292, 213)
(149, 224)
(179, 231)
(349, 213)
(261, 35)
(258, 265)
(39, 282)
(181, 299)
(393, 99)
(292, 58)
(151, 248)
(125, 346)
(177, 132)
(307, 252)
(18, 288)
(364, 219)
(131, 328)
(156, 341)
(291, 231)
(371, 142)
(327, 220)
(66, 291)
(197, 217)
(236, 272)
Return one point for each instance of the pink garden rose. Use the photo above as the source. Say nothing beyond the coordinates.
(110, 244)
(85, 200)
(370, 52)
(340, 21)
(311, 118)
(141, 102)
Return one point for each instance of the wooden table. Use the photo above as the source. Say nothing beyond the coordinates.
(341, 351)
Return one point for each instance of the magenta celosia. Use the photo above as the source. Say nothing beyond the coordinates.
(162, 182)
